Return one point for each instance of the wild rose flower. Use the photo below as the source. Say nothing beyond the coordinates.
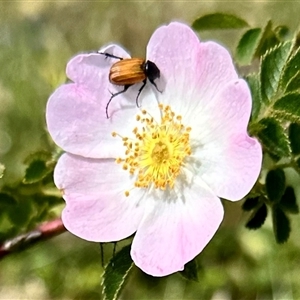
(157, 171)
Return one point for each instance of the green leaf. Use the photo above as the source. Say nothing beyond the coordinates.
(36, 171)
(281, 225)
(250, 203)
(274, 139)
(38, 167)
(190, 271)
(275, 184)
(21, 214)
(116, 272)
(268, 40)
(219, 21)
(288, 201)
(52, 200)
(293, 85)
(254, 84)
(272, 65)
(291, 69)
(247, 46)
(41, 215)
(288, 107)
(294, 136)
(282, 32)
(7, 200)
(258, 217)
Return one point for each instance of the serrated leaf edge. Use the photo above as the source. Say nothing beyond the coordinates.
(283, 133)
(263, 57)
(120, 285)
(283, 114)
(286, 116)
(286, 90)
(290, 58)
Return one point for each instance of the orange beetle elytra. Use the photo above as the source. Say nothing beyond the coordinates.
(129, 71)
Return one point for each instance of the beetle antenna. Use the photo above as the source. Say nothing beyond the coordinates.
(110, 55)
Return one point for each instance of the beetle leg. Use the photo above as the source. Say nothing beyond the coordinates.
(110, 55)
(140, 90)
(114, 95)
(152, 81)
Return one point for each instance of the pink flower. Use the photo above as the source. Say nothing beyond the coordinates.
(157, 171)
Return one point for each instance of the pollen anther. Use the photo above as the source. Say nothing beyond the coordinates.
(156, 153)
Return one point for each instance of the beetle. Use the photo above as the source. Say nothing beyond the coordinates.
(129, 71)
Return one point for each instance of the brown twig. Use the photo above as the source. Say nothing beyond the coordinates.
(42, 232)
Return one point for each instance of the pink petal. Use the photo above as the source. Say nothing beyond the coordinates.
(231, 170)
(230, 161)
(190, 69)
(91, 70)
(77, 122)
(76, 113)
(226, 113)
(96, 206)
(175, 231)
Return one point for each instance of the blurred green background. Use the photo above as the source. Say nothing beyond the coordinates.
(37, 38)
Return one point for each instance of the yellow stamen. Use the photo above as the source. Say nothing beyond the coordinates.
(156, 154)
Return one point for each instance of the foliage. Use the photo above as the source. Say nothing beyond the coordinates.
(269, 58)
(275, 117)
(26, 204)
(116, 272)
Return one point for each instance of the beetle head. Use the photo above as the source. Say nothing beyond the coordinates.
(151, 70)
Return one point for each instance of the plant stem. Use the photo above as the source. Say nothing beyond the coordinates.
(42, 232)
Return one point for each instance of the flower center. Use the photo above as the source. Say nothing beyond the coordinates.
(157, 152)
(160, 152)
